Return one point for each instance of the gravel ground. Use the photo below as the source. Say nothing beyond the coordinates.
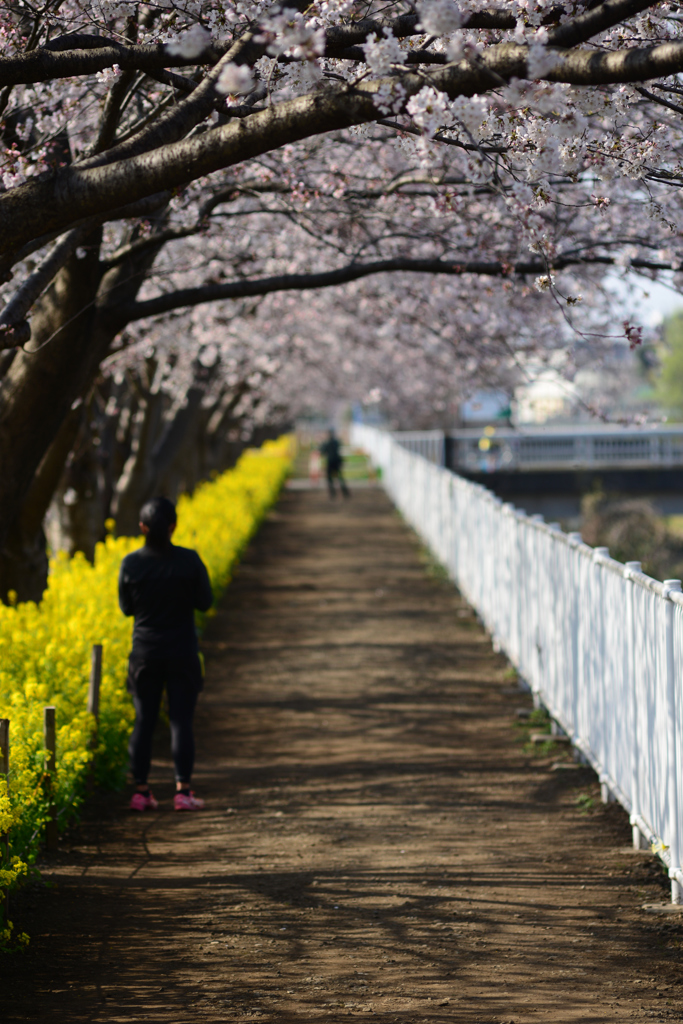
(379, 839)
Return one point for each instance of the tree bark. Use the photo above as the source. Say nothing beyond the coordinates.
(79, 509)
(45, 379)
(132, 488)
(23, 556)
(171, 460)
(74, 325)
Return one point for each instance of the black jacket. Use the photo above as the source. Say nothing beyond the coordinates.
(162, 588)
(331, 449)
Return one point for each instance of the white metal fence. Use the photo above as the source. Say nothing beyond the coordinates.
(599, 643)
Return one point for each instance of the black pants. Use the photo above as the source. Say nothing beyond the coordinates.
(146, 679)
(333, 471)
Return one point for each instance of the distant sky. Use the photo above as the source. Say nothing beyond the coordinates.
(647, 301)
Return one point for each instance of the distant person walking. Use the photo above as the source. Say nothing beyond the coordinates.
(161, 585)
(331, 449)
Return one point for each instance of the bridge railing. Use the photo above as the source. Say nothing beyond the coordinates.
(528, 448)
(430, 443)
(599, 643)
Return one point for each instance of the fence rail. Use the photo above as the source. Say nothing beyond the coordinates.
(599, 643)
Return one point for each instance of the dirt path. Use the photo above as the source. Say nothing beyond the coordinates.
(377, 841)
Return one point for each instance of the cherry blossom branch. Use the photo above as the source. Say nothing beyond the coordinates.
(77, 192)
(578, 30)
(75, 56)
(172, 126)
(640, 64)
(301, 282)
(258, 188)
(185, 297)
(188, 85)
(659, 100)
(13, 317)
(469, 147)
(45, 65)
(357, 53)
(583, 27)
(110, 115)
(141, 208)
(338, 39)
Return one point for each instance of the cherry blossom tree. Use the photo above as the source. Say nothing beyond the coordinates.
(157, 158)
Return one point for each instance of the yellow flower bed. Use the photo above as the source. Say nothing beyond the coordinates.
(45, 649)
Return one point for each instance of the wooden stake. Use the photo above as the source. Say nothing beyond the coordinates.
(94, 709)
(50, 733)
(4, 840)
(4, 747)
(95, 680)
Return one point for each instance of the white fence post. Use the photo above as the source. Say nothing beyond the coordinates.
(639, 840)
(670, 587)
(599, 643)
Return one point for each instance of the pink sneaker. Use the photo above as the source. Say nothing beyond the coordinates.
(143, 802)
(187, 802)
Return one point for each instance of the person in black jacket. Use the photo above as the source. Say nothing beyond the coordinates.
(161, 585)
(331, 449)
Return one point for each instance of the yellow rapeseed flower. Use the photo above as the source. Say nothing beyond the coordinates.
(45, 649)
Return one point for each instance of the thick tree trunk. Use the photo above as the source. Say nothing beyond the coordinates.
(23, 557)
(82, 502)
(222, 447)
(133, 487)
(73, 327)
(79, 506)
(44, 380)
(171, 458)
(23, 564)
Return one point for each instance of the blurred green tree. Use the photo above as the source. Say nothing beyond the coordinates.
(669, 387)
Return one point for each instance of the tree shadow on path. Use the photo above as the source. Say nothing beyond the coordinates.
(376, 843)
